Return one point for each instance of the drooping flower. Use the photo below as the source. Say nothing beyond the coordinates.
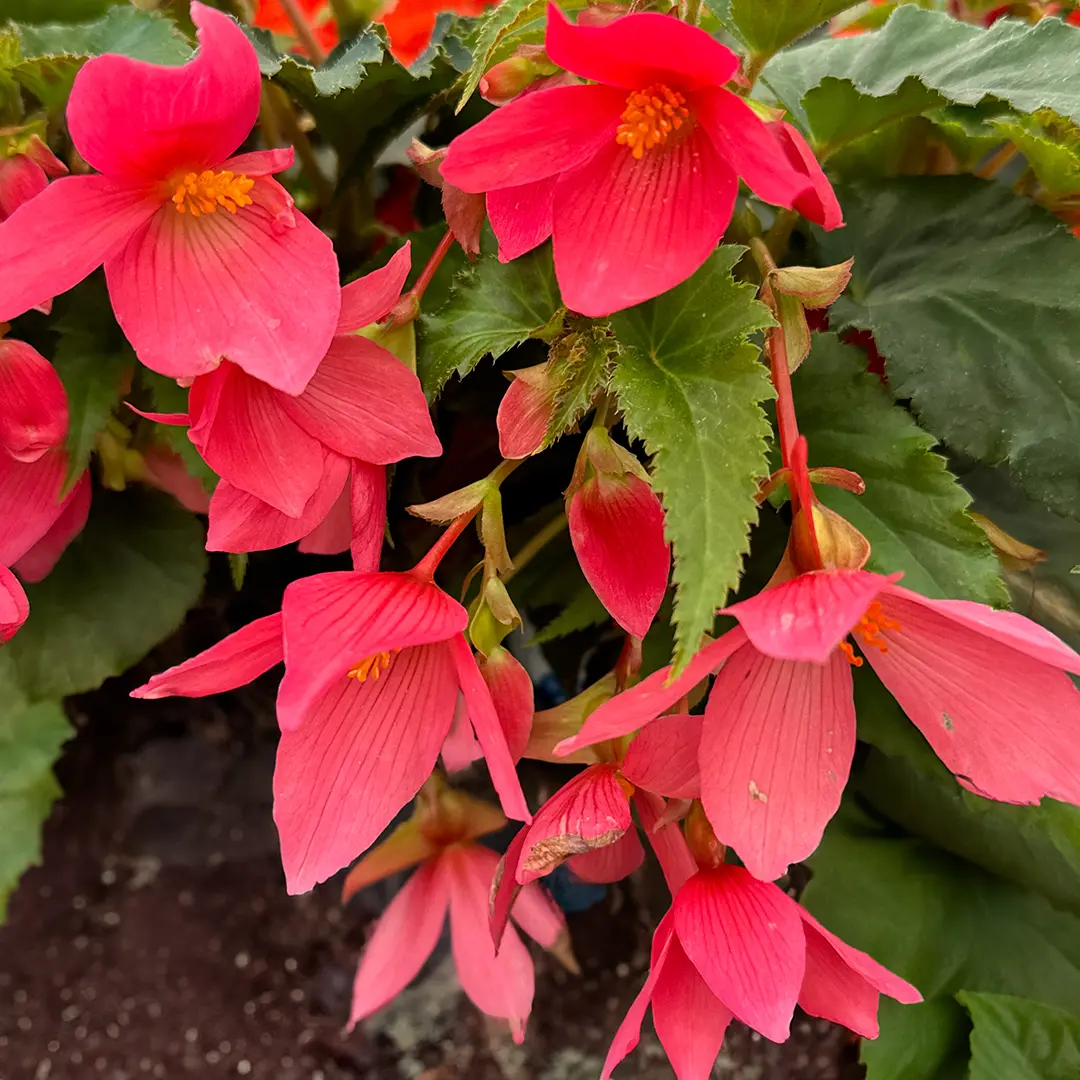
(779, 732)
(374, 665)
(525, 411)
(635, 176)
(735, 946)
(204, 253)
(292, 464)
(456, 873)
(617, 530)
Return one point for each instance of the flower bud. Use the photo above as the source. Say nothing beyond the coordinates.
(33, 404)
(503, 82)
(525, 412)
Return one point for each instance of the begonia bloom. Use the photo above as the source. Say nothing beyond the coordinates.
(735, 946)
(779, 731)
(525, 412)
(204, 253)
(635, 176)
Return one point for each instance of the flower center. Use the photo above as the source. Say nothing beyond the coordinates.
(869, 628)
(371, 667)
(650, 116)
(203, 193)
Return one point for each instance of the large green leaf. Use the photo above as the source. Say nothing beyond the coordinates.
(1020, 1039)
(123, 585)
(768, 25)
(53, 53)
(921, 59)
(973, 295)
(691, 388)
(493, 306)
(30, 741)
(914, 512)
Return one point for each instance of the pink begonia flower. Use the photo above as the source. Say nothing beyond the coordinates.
(779, 732)
(14, 606)
(204, 253)
(287, 463)
(617, 530)
(374, 664)
(635, 176)
(525, 411)
(511, 691)
(735, 946)
(33, 403)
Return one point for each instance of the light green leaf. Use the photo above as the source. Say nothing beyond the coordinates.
(1021, 1039)
(928, 1040)
(30, 741)
(921, 59)
(238, 564)
(691, 387)
(769, 25)
(493, 306)
(913, 512)
(579, 368)
(124, 584)
(973, 296)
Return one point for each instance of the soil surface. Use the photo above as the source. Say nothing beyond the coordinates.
(158, 941)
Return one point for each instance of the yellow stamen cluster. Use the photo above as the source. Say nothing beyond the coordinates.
(650, 116)
(869, 628)
(203, 193)
(371, 667)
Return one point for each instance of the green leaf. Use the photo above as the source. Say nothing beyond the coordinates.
(914, 512)
(30, 741)
(1051, 147)
(124, 584)
(583, 611)
(928, 1040)
(39, 11)
(238, 564)
(508, 24)
(973, 296)
(921, 59)
(1021, 1039)
(579, 368)
(493, 306)
(690, 387)
(769, 25)
(53, 53)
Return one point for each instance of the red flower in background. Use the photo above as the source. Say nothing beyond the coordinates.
(270, 15)
(635, 176)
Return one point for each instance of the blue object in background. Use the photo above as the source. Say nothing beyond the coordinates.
(570, 892)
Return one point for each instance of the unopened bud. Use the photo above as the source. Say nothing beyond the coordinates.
(503, 82)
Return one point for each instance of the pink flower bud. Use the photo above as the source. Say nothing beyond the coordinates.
(507, 79)
(512, 692)
(525, 412)
(33, 404)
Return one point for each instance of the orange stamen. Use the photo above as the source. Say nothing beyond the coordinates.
(650, 116)
(371, 667)
(203, 193)
(869, 628)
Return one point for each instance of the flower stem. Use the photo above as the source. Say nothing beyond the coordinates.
(997, 161)
(408, 307)
(535, 544)
(304, 34)
(427, 566)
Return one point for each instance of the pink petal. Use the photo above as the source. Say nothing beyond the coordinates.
(261, 162)
(368, 508)
(521, 216)
(144, 121)
(629, 1033)
(589, 812)
(499, 985)
(640, 49)
(744, 141)
(489, 731)
(505, 886)
(370, 298)
(819, 203)
(627, 229)
(246, 436)
(746, 939)
(532, 138)
(33, 404)
(464, 213)
(512, 694)
(629, 577)
(259, 286)
(333, 534)
(404, 937)
(53, 242)
(538, 915)
(334, 621)
(523, 417)
(20, 180)
(653, 696)
(613, 862)
(361, 755)
(663, 757)
(776, 750)
(807, 617)
(29, 502)
(363, 402)
(1007, 627)
(690, 1022)
(668, 843)
(241, 522)
(234, 661)
(38, 562)
(164, 469)
(842, 984)
(1006, 724)
(461, 748)
(14, 607)
(173, 419)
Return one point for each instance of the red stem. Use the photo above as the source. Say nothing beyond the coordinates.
(424, 280)
(427, 566)
(785, 402)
